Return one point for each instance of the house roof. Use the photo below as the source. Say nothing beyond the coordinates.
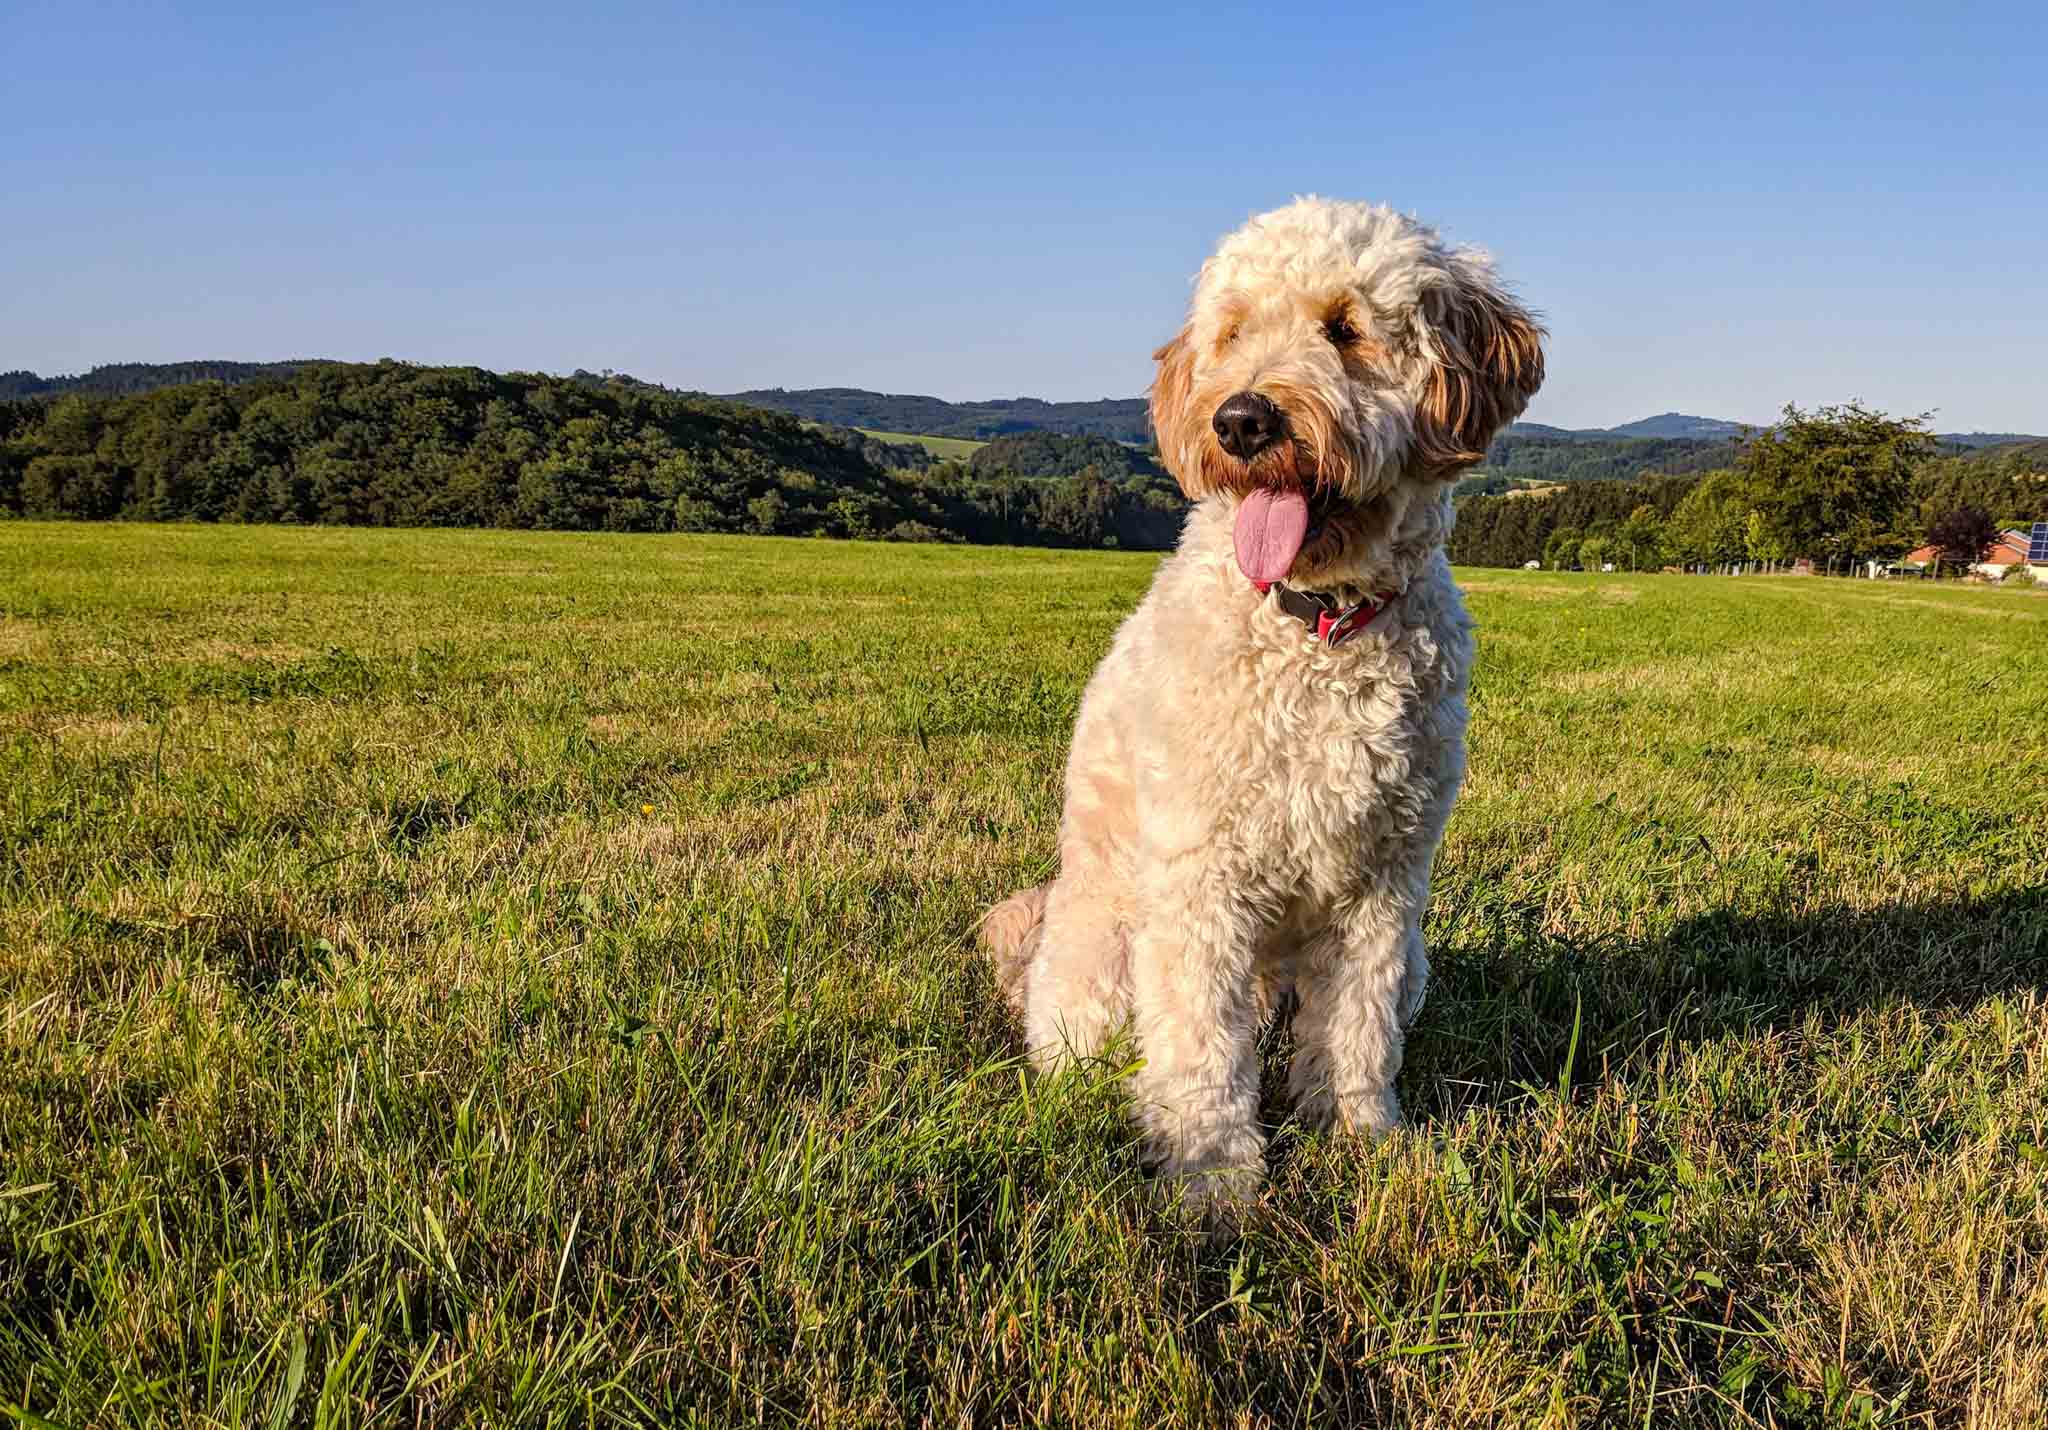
(2005, 548)
(2010, 546)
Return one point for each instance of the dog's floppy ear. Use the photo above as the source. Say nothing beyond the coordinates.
(1489, 364)
(1173, 388)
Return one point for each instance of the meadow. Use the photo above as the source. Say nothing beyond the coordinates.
(944, 448)
(504, 978)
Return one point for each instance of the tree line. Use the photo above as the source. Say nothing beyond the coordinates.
(1121, 419)
(393, 444)
(117, 379)
(1839, 485)
(1052, 454)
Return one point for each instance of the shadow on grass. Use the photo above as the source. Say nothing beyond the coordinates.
(257, 953)
(1503, 1004)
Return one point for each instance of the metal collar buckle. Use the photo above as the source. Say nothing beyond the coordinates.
(1327, 621)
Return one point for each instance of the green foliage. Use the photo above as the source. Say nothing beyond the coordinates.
(1760, 540)
(1124, 419)
(1576, 458)
(2009, 482)
(119, 379)
(1089, 508)
(1710, 526)
(1838, 485)
(1641, 540)
(1482, 484)
(1509, 530)
(396, 445)
(1834, 482)
(879, 450)
(940, 448)
(1561, 548)
(1052, 454)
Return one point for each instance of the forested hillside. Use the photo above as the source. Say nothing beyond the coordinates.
(1051, 454)
(1509, 530)
(391, 444)
(1121, 419)
(118, 379)
(1579, 458)
(1839, 486)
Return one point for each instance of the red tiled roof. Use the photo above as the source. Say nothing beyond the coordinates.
(2004, 549)
(2011, 546)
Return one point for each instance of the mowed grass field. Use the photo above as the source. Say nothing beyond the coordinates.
(949, 448)
(491, 978)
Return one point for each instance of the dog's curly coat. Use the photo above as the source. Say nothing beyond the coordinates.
(1247, 807)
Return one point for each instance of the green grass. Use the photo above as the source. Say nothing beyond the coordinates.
(517, 979)
(957, 449)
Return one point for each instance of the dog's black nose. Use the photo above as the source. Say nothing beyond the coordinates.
(1247, 425)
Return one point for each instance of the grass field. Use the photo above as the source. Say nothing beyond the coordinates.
(953, 448)
(517, 979)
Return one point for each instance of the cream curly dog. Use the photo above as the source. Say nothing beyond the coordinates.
(1265, 759)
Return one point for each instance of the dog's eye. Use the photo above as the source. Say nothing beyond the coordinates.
(1339, 330)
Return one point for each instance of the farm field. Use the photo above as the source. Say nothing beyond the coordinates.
(511, 978)
(957, 449)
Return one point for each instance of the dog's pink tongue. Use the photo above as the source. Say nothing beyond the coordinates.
(1270, 528)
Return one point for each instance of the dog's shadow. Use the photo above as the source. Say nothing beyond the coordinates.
(1513, 1008)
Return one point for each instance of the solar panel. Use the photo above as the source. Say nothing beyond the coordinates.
(2037, 545)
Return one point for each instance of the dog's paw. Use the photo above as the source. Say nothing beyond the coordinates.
(1367, 1115)
(1217, 1191)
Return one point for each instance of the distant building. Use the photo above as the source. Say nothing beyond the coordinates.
(2007, 550)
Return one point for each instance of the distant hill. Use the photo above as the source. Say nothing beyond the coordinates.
(1664, 424)
(1121, 419)
(1679, 424)
(1555, 434)
(1594, 457)
(1975, 440)
(1057, 454)
(394, 444)
(1677, 442)
(120, 379)
(2030, 452)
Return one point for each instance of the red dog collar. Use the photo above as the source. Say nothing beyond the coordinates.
(1327, 621)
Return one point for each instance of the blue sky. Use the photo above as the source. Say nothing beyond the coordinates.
(1719, 209)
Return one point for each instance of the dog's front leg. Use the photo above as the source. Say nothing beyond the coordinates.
(1195, 1014)
(1361, 985)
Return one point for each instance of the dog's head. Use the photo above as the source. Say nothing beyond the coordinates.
(1340, 356)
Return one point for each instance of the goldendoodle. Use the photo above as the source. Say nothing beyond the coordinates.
(1265, 759)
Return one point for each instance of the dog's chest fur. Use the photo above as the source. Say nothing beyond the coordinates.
(1301, 766)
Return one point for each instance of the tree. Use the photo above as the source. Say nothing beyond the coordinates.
(1962, 534)
(766, 514)
(1594, 552)
(1509, 530)
(1830, 481)
(1711, 525)
(1562, 549)
(1761, 540)
(2009, 482)
(1641, 539)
